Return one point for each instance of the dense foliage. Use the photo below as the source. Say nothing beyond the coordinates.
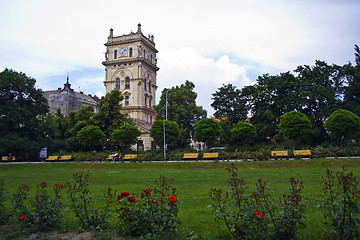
(181, 109)
(24, 124)
(207, 130)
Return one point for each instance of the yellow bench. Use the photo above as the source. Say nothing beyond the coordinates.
(302, 153)
(109, 157)
(210, 155)
(191, 155)
(65, 158)
(52, 158)
(5, 158)
(129, 156)
(279, 153)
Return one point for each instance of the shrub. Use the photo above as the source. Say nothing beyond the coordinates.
(78, 193)
(39, 210)
(151, 213)
(258, 216)
(341, 201)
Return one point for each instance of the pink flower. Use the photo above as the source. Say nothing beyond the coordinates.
(172, 199)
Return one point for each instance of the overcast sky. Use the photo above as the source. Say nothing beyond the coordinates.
(208, 42)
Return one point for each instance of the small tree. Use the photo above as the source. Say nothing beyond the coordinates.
(171, 133)
(343, 125)
(243, 132)
(125, 136)
(294, 125)
(207, 130)
(91, 137)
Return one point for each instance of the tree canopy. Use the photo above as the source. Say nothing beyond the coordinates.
(228, 103)
(343, 125)
(23, 116)
(295, 125)
(172, 133)
(125, 135)
(242, 132)
(207, 130)
(182, 109)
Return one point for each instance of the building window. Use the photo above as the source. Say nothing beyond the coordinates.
(151, 119)
(144, 53)
(145, 100)
(149, 86)
(117, 83)
(127, 82)
(115, 54)
(145, 85)
(150, 103)
(127, 100)
(130, 52)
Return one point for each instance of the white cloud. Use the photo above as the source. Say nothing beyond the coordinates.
(208, 74)
(46, 39)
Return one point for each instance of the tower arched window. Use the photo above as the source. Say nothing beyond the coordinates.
(145, 85)
(127, 100)
(130, 52)
(127, 82)
(149, 86)
(117, 83)
(115, 54)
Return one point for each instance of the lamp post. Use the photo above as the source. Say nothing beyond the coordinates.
(166, 103)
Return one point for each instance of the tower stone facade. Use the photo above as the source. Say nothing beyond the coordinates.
(131, 66)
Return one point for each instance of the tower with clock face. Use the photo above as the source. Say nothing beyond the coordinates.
(130, 65)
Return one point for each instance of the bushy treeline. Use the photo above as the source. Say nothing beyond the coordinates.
(316, 91)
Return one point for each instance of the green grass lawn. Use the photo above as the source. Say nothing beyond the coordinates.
(193, 181)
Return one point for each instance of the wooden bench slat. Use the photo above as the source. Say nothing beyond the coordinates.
(190, 155)
(302, 152)
(129, 156)
(52, 158)
(210, 155)
(65, 158)
(5, 158)
(279, 153)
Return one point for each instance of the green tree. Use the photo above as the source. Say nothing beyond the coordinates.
(182, 109)
(126, 135)
(352, 89)
(243, 132)
(108, 117)
(91, 137)
(226, 127)
(228, 103)
(295, 125)
(23, 111)
(171, 133)
(343, 125)
(207, 130)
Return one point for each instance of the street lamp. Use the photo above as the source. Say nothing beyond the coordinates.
(166, 103)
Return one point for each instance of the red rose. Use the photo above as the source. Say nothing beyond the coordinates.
(44, 219)
(119, 197)
(110, 201)
(172, 199)
(131, 199)
(125, 194)
(258, 214)
(43, 182)
(147, 191)
(154, 202)
(22, 218)
(61, 185)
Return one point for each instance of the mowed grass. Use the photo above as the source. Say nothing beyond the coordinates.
(193, 181)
